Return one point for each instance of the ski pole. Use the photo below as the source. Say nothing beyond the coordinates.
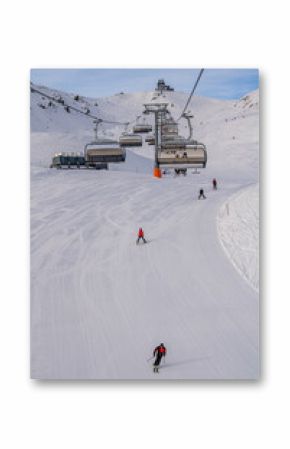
(150, 358)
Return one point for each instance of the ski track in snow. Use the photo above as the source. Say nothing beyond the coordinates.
(100, 303)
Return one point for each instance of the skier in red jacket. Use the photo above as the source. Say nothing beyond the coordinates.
(141, 236)
(159, 352)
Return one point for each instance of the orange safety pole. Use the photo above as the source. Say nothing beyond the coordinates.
(157, 172)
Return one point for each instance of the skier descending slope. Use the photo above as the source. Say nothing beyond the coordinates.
(214, 184)
(140, 236)
(159, 352)
(201, 194)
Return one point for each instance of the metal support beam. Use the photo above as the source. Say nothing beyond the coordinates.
(188, 116)
(159, 110)
(156, 139)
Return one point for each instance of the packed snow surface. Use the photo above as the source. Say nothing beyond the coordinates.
(238, 227)
(100, 303)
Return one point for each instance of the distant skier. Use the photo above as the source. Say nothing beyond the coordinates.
(158, 353)
(140, 236)
(214, 184)
(201, 195)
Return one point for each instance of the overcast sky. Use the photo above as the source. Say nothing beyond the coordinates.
(217, 83)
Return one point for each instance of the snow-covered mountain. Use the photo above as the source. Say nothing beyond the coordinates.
(100, 304)
(229, 129)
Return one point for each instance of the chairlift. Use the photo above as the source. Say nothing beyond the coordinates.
(130, 140)
(103, 150)
(142, 127)
(187, 155)
(169, 141)
(150, 139)
(176, 150)
(187, 116)
(169, 126)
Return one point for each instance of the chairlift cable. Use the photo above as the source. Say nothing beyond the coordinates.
(87, 114)
(192, 92)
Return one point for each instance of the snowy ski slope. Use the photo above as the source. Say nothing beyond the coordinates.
(238, 230)
(100, 304)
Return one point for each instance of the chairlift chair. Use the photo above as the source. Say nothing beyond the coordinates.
(142, 127)
(130, 140)
(187, 155)
(150, 139)
(103, 150)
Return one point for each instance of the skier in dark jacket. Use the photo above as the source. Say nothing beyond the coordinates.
(214, 184)
(201, 194)
(158, 353)
(141, 236)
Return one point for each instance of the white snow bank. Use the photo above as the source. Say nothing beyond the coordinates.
(238, 230)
